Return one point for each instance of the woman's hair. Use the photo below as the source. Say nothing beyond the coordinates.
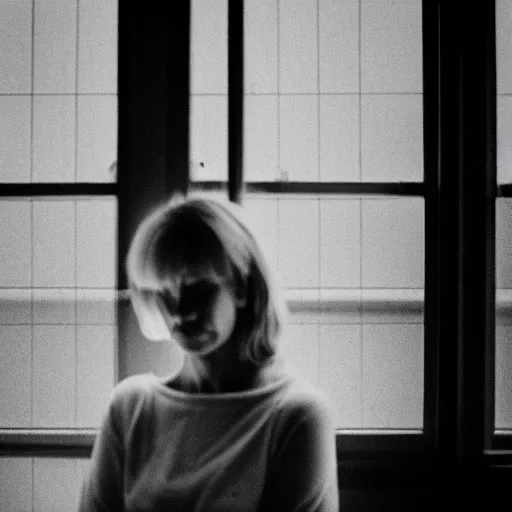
(204, 234)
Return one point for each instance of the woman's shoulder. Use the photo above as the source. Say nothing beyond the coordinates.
(304, 415)
(131, 391)
(303, 400)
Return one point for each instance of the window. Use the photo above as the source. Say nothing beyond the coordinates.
(58, 214)
(332, 99)
(286, 180)
(356, 130)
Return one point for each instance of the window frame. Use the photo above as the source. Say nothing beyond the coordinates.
(348, 443)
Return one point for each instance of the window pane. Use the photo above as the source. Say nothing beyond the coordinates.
(351, 270)
(333, 91)
(504, 90)
(16, 44)
(15, 375)
(503, 361)
(97, 47)
(504, 138)
(57, 304)
(54, 128)
(503, 356)
(55, 39)
(96, 138)
(209, 137)
(15, 134)
(59, 106)
(17, 483)
(58, 257)
(208, 83)
(503, 45)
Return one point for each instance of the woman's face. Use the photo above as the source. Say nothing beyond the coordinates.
(200, 311)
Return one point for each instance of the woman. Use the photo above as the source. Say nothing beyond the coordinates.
(234, 429)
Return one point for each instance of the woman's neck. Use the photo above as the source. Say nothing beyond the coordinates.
(216, 374)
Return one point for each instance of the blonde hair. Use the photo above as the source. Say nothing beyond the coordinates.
(199, 233)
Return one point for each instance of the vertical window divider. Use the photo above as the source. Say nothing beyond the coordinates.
(449, 237)
(478, 191)
(491, 189)
(467, 194)
(153, 130)
(430, 35)
(235, 99)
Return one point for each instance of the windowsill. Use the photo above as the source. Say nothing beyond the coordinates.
(351, 444)
(355, 299)
(388, 302)
(78, 442)
(319, 299)
(58, 442)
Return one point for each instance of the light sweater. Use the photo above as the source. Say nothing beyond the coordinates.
(267, 449)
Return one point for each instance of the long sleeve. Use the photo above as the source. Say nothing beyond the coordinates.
(102, 489)
(270, 449)
(303, 473)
